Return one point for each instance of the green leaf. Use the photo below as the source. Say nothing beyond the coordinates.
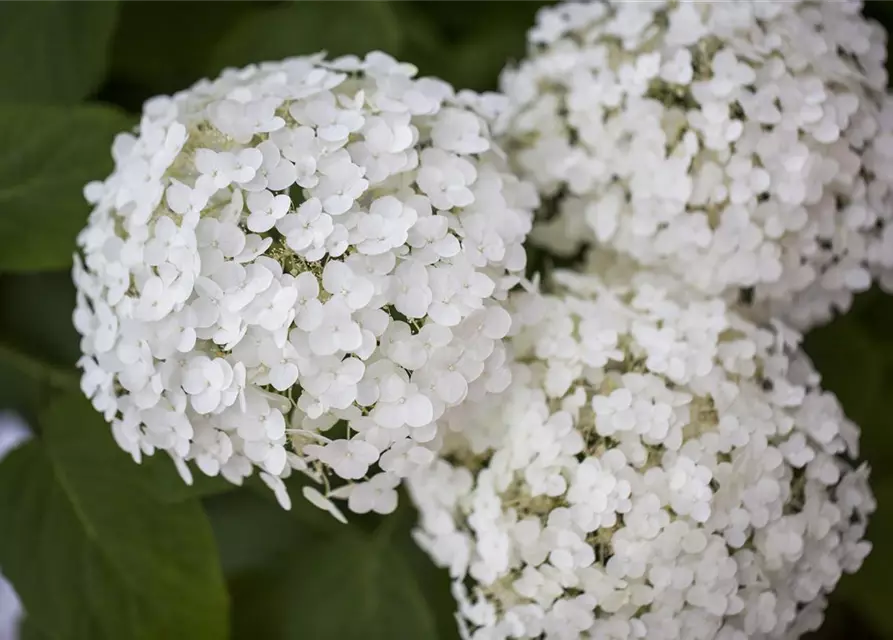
(480, 40)
(165, 483)
(854, 354)
(28, 630)
(251, 532)
(356, 587)
(38, 343)
(870, 591)
(480, 15)
(434, 582)
(480, 60)
(843, 621)
(291, 580)
(299, 28)
(91, 552)
(137, 58)
(258, 607)
(26, 382)
(36, 315)
(423, 43)
(53, 51)
(47, 155)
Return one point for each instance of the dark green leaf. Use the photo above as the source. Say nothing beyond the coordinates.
(434, 583)
(480, 60)
(455, 24)
(869, 591)
(357, 587)
(47, 155)
(38, 344)
(292, 580)
(29, 630)
(258, 605)
(139, 61)
(423, 43)
(854, 354)
(855, 357)
(253, 532)
(94, 555)
(165, 483)
(35, 315)
(26, 382)
(843, 621)
(480, 39)
(308, 27)
(53, 51)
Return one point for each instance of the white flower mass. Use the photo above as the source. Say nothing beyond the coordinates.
(299, 266)
(747, 147)
(661, 468)
(311, 266)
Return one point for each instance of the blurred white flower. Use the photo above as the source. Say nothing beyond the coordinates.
(746, 147)
(683, 476)
(13, 433)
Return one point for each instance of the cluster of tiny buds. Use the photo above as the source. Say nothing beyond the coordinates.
(747, 147)
(299, 266)
(659, 469)
(312, 266)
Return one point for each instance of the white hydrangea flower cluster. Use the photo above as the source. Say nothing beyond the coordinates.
(297, 248)
(745, 146)
(660, 468)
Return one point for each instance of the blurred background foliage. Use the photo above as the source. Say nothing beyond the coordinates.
(100, 548)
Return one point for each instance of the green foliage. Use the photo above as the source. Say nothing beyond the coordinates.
(307, 27)
(179, 51)
(869, 591)
(481, 41)
(99, 547)
(47, 155)
(166, 485)
(855, 356)
(296, 575)
(92, 553)
(53, 51)
(253, 532)
(358, 587)
(35, 310)
(38, 343)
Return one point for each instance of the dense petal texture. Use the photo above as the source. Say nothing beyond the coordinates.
(661, 468)
(285, 264)
(746, 147)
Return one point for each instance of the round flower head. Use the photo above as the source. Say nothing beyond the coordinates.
(297, 266)
(659, 469)
(745, 146)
